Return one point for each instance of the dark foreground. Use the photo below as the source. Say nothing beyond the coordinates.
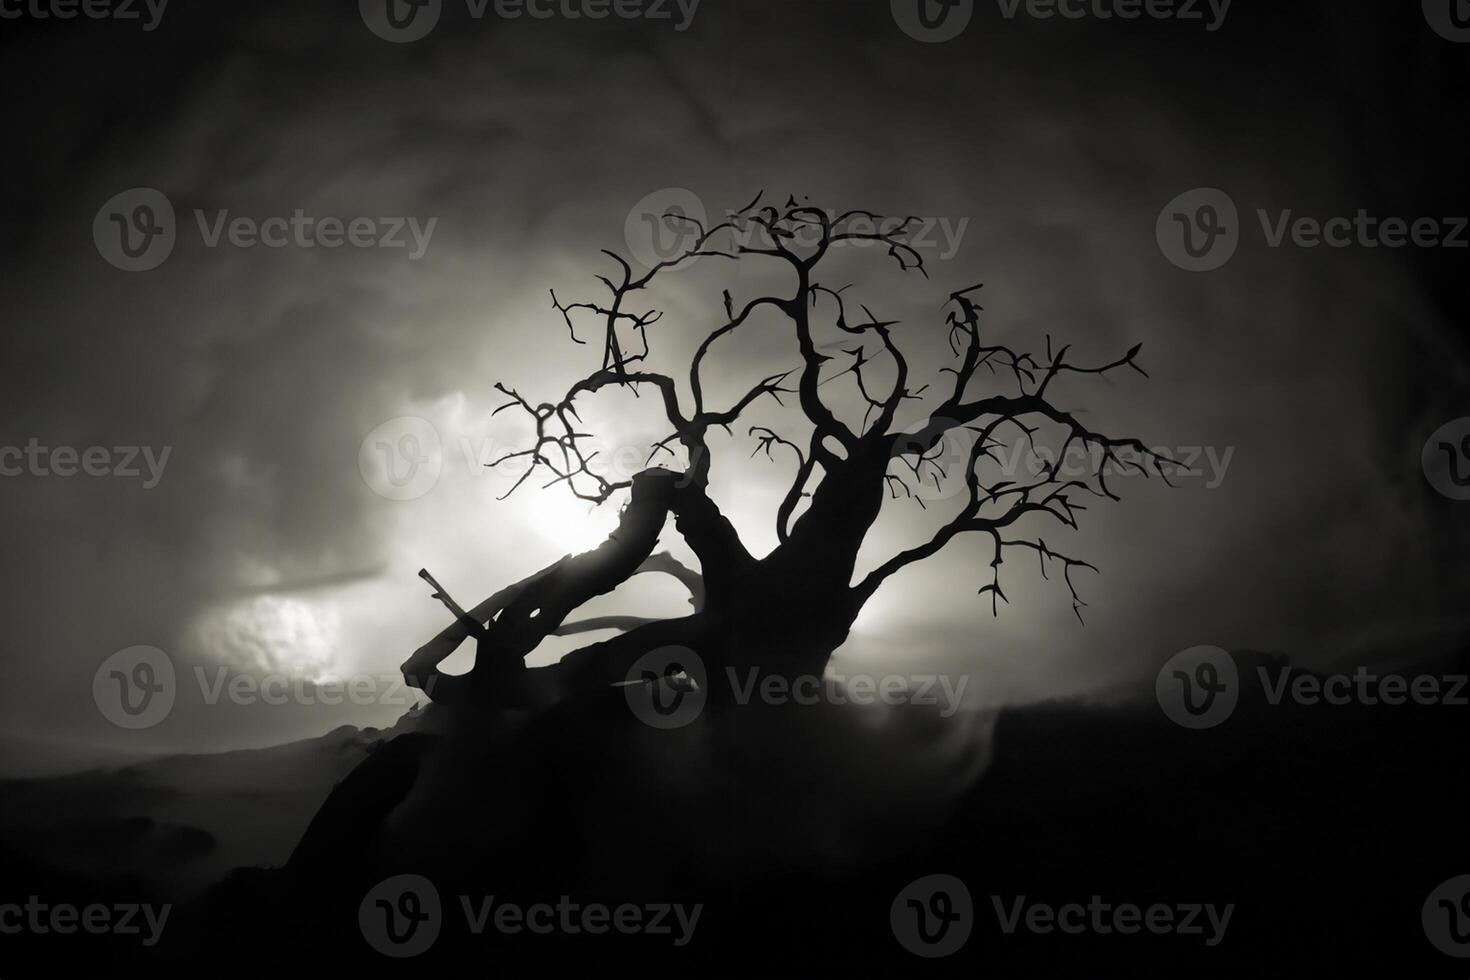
(793, 832)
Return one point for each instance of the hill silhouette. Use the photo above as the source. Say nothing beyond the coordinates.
(794, 827)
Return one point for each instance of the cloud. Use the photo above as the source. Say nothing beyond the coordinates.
(264, 369)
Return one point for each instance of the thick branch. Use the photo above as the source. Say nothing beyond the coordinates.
(661, 562)
(519, 617)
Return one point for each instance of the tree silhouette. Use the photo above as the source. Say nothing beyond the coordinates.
(785, 613)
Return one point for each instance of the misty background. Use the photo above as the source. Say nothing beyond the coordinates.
(1053, 143)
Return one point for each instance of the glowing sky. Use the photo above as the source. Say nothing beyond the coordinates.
(264, 548)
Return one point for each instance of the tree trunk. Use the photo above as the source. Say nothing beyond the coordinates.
(786, 614)
(781, 616)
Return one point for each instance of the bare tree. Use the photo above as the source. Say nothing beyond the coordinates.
(785, 613)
